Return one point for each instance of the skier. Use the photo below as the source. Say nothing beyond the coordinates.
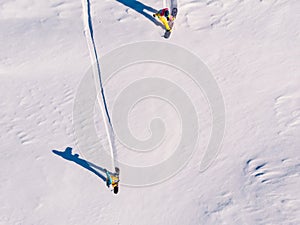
(164, 16)
(112, 179)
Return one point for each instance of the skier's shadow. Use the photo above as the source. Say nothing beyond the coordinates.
(67, 154)
(140, 8)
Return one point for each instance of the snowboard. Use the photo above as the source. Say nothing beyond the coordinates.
(117, 173)
(171, 23)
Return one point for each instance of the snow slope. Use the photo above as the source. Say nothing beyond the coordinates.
(252, 49)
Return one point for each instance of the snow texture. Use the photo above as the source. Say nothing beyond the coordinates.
(250, 46)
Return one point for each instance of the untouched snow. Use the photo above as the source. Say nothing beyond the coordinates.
(252, 49)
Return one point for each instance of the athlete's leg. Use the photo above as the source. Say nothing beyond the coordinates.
(164, 21)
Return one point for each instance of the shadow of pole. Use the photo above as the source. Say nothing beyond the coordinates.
(67, 154)
(140, 8)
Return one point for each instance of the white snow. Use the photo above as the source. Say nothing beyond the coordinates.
(250, 46)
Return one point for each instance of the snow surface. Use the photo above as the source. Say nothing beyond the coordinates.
(252, 49)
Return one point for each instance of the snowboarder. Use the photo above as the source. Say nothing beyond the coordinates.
(112, 179)
(164, 16)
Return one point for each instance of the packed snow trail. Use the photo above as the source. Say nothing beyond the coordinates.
(173, 4)
(170, 4)
(88, 24)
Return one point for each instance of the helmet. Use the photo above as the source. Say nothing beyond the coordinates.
(167, 13)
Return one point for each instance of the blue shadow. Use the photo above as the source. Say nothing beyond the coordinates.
(140, 8)
(67, 154)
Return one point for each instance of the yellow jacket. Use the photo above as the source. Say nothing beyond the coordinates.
(115, 180)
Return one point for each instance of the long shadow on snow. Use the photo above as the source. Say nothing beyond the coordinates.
(67, 154)
(140, 7)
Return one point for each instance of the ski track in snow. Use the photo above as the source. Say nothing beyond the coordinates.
(86, 6)
(91, 31)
